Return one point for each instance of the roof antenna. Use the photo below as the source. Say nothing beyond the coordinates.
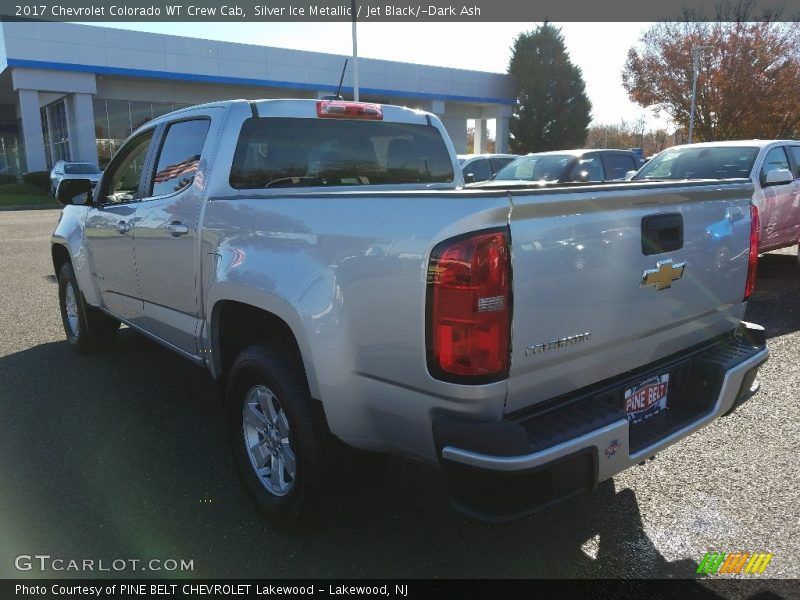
(341, 79)
(338, 95)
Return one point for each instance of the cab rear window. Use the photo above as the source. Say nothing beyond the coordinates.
(277, 152)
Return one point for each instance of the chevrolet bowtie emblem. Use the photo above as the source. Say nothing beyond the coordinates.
(663, 275)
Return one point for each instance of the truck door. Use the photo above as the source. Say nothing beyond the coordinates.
(109, 229)
(166, 232)
(778, 227)
(794, 157)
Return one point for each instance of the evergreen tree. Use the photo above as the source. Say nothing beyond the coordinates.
(552, 111)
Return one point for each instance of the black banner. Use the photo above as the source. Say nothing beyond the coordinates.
(240, 11)
(105, 589)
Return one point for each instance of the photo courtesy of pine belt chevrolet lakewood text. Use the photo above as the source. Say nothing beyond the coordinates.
(324, 261)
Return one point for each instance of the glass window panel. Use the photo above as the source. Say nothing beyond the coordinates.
(119, 119)
(141, 113)
(619, 165)
(776, 159)
(275, 152)
(161, 108)
(125, 172)
(46, 136)
(180, 156)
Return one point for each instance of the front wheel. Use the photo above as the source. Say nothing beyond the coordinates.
(277, 446)
(87, 328)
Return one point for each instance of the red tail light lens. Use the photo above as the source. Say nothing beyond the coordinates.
(337, 109)
(469, 308)
(752, 262)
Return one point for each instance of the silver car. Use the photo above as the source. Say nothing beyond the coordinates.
(73, 170)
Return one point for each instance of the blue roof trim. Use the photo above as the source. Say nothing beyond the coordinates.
(55, 66)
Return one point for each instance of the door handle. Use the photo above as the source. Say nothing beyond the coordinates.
(662, 233)
(177, 229)
(122, 227)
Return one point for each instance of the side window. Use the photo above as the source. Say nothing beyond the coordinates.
(776, 159)
(587, 169)
(121, 182)
(618, 165)
(179, 157)
(480, 169)
(795, 152)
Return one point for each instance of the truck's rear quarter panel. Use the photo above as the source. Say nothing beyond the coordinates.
(351, 268)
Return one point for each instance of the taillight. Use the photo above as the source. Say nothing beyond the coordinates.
(752, 261)
(469, 308)
(337, 109)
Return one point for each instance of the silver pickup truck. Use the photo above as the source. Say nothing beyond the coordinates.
(322, 260)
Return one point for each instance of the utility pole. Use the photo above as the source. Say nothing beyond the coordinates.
(355, 51)
(695, 68)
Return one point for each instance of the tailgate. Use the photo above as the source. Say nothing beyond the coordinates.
(581, 314)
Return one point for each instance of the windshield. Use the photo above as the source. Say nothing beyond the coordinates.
(536, 167)
(721, 162)
(81, 169)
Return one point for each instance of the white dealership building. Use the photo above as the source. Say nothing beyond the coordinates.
(75, 92)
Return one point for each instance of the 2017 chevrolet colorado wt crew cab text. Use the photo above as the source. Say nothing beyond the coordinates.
(323, 261)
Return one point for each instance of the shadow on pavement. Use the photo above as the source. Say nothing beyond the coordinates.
(774, 303)
(123, 455)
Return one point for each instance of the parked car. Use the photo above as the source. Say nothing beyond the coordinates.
(321, 260)
(482, 167)
(73, 170)
(564, 166)
(772, 165)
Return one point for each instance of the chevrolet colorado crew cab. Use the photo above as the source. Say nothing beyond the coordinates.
(324, 262)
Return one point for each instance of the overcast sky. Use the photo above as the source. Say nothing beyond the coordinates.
(599, 49)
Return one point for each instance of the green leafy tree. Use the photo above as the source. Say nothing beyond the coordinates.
(552, 111)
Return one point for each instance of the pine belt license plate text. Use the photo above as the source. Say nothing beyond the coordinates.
(646, 399)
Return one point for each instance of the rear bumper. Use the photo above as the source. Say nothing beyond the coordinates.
(567, 446)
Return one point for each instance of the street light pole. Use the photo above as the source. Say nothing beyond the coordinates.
(355, 51)
(695, 67)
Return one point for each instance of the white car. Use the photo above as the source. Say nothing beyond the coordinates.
(73, 170)
(772, 165)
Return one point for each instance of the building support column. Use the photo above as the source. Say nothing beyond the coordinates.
(84, 145)
(479, 137)
(501, 135)
(31, 120)
(457, 130)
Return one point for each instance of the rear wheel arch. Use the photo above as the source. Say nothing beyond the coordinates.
(236, 325)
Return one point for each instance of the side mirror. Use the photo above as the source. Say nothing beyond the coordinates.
(779, 176)
(469, 178)
(629, 175)
(74, 191)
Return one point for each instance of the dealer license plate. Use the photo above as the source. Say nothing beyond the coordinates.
(647, 399)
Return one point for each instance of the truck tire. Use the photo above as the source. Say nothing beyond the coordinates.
(88, 329)
(278, 447)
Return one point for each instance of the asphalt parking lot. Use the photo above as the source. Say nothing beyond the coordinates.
(123, 455)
